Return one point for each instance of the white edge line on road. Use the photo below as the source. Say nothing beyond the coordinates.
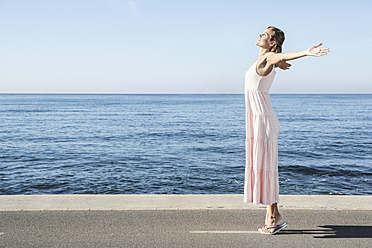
(220, 232)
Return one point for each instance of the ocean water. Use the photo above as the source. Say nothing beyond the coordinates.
(178, 144)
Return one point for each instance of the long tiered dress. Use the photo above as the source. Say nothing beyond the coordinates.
(262, 128)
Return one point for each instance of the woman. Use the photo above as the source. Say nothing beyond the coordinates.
(262, 127)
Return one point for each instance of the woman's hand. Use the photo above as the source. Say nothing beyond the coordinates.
(315, 51)
(284, 65)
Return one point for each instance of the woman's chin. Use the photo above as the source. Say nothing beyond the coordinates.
(261, 45)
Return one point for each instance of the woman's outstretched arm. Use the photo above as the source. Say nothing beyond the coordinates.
(274, 58)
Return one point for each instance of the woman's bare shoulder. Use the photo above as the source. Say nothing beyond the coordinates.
(271, 54)
(273, 58)
(264, 59)
(267, 56)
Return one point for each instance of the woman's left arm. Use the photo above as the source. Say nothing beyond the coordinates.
(274, 58)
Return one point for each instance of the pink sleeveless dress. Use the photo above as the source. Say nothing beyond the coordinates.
(261, 184)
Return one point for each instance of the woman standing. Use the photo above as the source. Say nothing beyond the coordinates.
(262, 127)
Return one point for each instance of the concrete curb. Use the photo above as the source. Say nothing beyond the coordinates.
(175, 202)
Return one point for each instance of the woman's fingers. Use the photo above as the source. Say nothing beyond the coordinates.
(322, 52)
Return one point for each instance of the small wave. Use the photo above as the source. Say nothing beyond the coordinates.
(322, 171)
(26, 111)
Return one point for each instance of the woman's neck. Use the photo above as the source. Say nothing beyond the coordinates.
(262, 52)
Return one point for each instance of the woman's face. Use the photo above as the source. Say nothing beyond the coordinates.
(264, 39)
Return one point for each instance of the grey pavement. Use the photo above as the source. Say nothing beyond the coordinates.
(181, 221)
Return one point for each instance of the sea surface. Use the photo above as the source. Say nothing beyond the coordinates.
(178, 144)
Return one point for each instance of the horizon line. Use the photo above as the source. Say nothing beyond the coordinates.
(185, 93)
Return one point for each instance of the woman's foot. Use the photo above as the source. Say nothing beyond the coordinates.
(272, 230)
(271, 221)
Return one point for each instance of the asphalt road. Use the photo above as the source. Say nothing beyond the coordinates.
(183, 228)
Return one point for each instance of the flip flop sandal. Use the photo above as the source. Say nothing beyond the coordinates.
(284, 224)
(276, 228)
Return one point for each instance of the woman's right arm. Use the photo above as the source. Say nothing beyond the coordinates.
(274, 58)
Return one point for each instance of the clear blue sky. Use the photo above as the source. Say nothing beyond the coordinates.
(193, 46)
